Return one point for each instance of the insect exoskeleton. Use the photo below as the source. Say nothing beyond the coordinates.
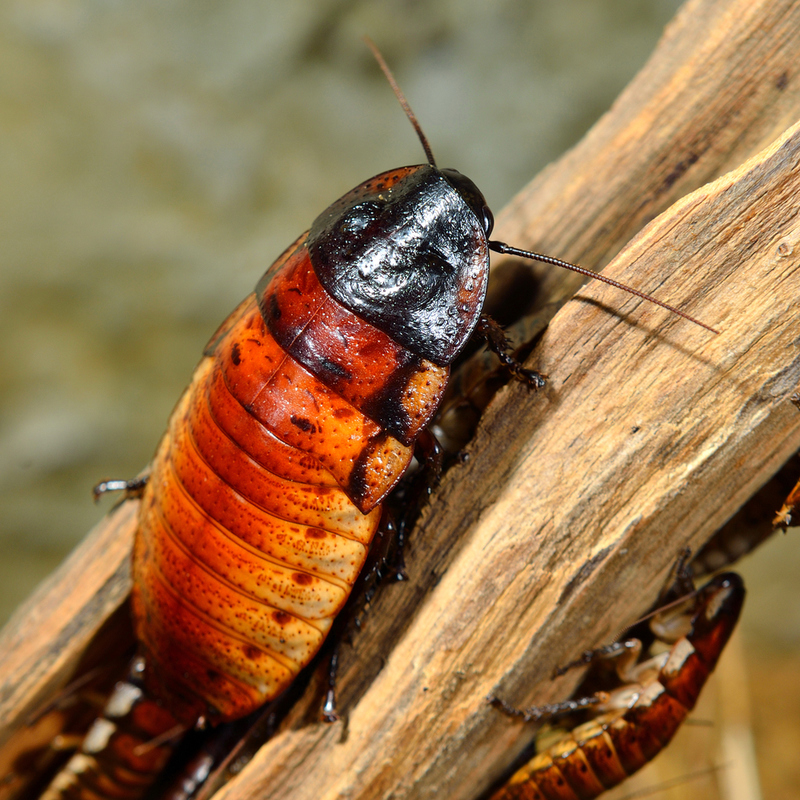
(265, 492)
(630, 724)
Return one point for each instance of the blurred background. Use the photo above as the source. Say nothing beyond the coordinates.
(156, 157)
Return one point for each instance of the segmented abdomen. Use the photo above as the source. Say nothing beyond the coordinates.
(265, 492)
(638, 720)
(124, 750)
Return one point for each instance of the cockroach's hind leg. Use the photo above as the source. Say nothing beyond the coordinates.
(131, 489)
(605, 652)
(430, 455)
(387, 560)
(404, 514)
(382, 563)
(548, 711)
(394, 565)
(496, 340)
(405, 505)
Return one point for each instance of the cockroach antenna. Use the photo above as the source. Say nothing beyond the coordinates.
(502, 247)
(401, 98)
(505, 249)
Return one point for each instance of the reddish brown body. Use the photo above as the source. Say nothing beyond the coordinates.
(640, 718)
(265, 493)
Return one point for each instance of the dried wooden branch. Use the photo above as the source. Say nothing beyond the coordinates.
(720, 86)
(43, 643)
(574, 502)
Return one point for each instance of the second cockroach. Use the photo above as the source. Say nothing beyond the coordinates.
(632, 720)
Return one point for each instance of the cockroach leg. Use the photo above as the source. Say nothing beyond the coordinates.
(548, 711)
(627, 649)
(498, 343)
(329, 713)
(385, 560)
(132, 489)
(430, 456)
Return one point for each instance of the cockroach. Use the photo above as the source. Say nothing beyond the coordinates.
(267, 490)
(633, 721)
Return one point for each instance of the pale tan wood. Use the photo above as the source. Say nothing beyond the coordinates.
(557, 478)
(41, 645)
(720, 86)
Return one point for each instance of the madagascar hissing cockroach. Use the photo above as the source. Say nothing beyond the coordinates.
(632, 721)
(267, 490)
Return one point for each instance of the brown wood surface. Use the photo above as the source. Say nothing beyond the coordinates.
(75, 621)
(47, 636)
(720, 86)
(650, 434)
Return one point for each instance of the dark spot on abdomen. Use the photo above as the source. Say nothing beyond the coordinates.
(281, 618)
(253, 653)
(304, 424)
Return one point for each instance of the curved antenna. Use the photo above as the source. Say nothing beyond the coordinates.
(502, 247)
(401, 98)
(505, 249)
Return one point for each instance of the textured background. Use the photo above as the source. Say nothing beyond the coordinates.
(155, 158)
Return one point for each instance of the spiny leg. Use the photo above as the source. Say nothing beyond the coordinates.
(498, 343)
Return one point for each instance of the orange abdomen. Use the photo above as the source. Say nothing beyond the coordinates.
(266, 492)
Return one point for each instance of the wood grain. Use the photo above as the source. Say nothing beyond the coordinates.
(719, 87)
(560, 527)
(76, 621)
(46, 638)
